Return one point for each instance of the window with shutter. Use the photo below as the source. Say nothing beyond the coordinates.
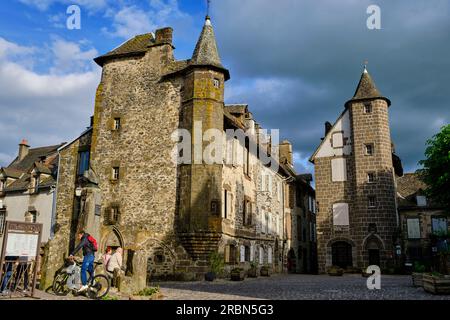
(338, 170)
(340, 214)
(413, 225)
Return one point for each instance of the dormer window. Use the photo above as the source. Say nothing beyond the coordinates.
(421, 201)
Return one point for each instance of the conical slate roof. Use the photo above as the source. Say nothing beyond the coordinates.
(366, 89)
(206, 53)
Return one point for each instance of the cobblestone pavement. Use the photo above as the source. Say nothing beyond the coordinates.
(298, 287)
(284, 287)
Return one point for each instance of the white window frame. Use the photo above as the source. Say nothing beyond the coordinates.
(115, 174)
(117, 123)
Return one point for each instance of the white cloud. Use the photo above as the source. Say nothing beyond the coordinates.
(45, 108)
(129, 22)
(9, 49)
(70, 57)
(132, 20)
(301, 163)
(43, 5)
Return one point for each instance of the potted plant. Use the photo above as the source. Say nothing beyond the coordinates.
(417, 275)
(364, 273)
(216, 265)
(253, 271)
(436, 283)
(265, 271)
(439, 282)
(237, 274)
(335, 271)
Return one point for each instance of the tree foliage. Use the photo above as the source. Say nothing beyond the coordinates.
(436, 167)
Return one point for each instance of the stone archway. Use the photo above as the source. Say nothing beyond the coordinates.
(341, 252)
(112, 239)
(372, 247)
(159, 259)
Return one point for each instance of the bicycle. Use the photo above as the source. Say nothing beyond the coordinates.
(68, 279)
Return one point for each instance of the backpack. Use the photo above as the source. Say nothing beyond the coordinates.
(93, 243)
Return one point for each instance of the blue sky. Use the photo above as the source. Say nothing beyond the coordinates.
(296, 63)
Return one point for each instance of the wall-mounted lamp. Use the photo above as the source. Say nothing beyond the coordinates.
(78, 191)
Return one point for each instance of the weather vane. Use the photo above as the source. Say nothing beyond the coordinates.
(366, 62)
(208, 3)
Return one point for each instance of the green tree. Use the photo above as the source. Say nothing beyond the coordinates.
(436, 167)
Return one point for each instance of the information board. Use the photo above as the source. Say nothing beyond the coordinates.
(22, 245)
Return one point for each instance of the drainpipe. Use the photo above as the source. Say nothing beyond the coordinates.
(55, 194)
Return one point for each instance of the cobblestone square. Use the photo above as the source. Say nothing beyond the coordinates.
(298, 287)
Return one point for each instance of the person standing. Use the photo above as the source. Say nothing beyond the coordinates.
(106, 257)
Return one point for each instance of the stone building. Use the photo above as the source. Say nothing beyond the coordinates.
(302, 257)
(357, 218)
(27, 188)
(120, 182)
(420, 219)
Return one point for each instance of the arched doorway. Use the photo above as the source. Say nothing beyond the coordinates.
(341, 253)
(113, 240)
(373, 251)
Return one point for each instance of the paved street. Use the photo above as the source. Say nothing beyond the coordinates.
(298, 287)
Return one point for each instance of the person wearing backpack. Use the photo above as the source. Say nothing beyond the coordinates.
(89, 246)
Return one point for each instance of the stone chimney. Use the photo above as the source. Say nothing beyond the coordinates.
(164, 36)
(286, 151)
(23, 149)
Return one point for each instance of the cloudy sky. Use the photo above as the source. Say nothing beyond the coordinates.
(296, 62)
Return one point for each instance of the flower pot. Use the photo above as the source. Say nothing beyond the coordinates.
(265, 272)
(252, 273)
(335, 272)
(237, 274)
(417, 279)
(210, 276)
(436, 284)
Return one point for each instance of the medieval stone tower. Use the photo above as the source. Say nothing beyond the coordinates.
(355, 184)
(200, 183)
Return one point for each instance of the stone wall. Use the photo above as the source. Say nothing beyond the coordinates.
(58, 247)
